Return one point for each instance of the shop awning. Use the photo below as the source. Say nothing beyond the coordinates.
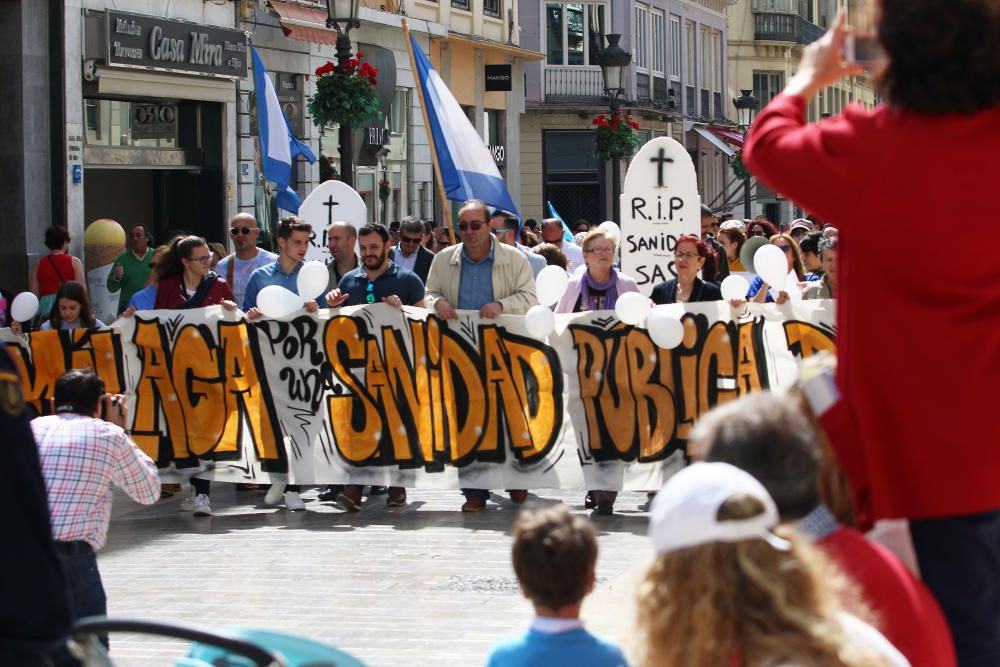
(714, 140)
(303, 24)
(729, 136)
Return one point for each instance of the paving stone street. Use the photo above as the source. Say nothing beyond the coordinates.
(418, 585)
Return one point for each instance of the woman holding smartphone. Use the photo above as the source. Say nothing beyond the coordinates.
(911, 341)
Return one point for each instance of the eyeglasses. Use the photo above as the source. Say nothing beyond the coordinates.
(236, 231)
(685, 255)
(600, 251)
(409, 239)
(204, 259)
(758, 232)
(475, 225)
(370, 293)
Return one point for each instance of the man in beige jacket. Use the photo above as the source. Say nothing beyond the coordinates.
(486, 276)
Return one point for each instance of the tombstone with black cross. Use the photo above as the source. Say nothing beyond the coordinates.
(659, 204)
(330, 201)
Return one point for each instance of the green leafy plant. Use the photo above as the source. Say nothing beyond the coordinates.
(345, 95)
(384, 189)
(615, 136)
(736, 164)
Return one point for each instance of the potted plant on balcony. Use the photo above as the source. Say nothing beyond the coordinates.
(615, 137)
(736, 164)
(345, 95)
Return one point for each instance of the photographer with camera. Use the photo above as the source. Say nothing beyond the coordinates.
(84, 451)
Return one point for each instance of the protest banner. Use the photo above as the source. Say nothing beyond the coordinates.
(659, 204)
(376, 395)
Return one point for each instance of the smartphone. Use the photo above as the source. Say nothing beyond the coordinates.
(863, 50)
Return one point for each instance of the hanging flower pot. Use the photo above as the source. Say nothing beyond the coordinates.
(384, 189)
(736, 164)
(345, 95)
(615, 137)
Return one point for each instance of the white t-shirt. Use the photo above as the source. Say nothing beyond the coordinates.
(242, 270)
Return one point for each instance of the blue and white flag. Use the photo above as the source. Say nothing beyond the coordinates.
(278, 146)
(466, 164)
(567, 232)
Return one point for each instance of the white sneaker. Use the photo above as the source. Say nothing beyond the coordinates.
(274, 494)
(201, 505)
(293, 503)
(188, 503)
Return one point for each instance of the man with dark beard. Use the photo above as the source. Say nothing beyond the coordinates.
(377, 280)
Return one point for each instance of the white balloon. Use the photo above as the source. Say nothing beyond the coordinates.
(611, 229)
(24, 307)
(770, 263)
(792, 286)
(632, 308)
(550, 283)
(539, 321)
(276, 301)
(735, 287)
(312, 279)
(665, 328)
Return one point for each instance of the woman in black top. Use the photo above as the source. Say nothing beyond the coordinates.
(690, 255)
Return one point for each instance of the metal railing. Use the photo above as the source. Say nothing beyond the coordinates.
(785, 28)
(574, 85)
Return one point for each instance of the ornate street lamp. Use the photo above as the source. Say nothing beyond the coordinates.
(614, 62)
(342, 15)
(746, 107)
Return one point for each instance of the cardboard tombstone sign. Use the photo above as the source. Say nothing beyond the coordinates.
(659, 204)
(330, 201)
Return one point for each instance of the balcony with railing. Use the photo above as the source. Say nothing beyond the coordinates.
(775, 27)
(574, 85)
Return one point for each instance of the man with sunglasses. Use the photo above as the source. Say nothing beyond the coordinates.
(237, 267)
(410, 254)
(377, 280)
(481, 275)
(506, 227)
(552, 232)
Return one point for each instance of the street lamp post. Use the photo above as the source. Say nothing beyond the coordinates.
(341, 15)
(746, 107)
(614, 62)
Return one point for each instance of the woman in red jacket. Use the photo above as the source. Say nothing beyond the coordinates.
(185, 281)
(919, 349)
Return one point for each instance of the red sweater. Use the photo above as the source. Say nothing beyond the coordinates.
(908, 614)
(918, 312)
(168, 293)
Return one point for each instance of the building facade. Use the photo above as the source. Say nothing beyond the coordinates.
(677, 85)
(766, 40)
(144, 112)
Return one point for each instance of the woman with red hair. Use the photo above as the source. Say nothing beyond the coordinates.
(690, 255)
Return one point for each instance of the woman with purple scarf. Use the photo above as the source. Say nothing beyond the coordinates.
(597, 288)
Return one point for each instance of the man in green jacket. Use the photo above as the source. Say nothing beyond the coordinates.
(130, 271)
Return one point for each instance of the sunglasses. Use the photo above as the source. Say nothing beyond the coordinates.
(476, 226)
(758, 232)
(409, 239)
(370, 293)
(235, 231)
(785, 248)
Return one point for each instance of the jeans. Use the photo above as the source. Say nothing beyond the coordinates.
(959, 558)
(84, 587)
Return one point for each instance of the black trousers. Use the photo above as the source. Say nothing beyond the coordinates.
(959, 559)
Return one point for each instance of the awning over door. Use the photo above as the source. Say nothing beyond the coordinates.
(303, 24)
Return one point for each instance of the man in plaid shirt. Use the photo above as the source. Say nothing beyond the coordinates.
(85, 452)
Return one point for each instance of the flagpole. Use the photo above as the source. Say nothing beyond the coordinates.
(430, 135)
